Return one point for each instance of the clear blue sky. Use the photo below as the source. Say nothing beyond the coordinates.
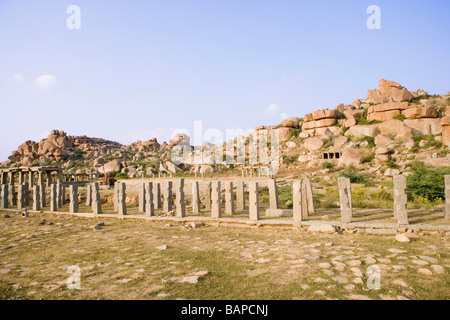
(138, 69)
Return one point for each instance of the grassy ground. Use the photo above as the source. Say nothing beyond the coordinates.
(121, 261)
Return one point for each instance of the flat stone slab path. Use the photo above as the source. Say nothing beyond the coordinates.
(168, 259)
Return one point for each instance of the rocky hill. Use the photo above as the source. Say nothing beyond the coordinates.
(381, 133)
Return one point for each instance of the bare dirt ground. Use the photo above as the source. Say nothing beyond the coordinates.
(125, 259)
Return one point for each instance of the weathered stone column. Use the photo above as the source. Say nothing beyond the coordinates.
(21, 177)
(73, 192)
(149, 202)
(59, 196)
(345, 199)
(181, 209)
(304, 200)
(400, 200)
(297, 207)
(11, 177)
(116, 196)
(121, 198)
(49, 179)
(240, 196)
(53, 198)
(157, 195)
(96, 201)
(253, 199)
(229, 198)
(309, 195)
(216, 208)
(447, 197)
(42, 194)
(167, 196)
(26, 194)
(208, 197)
(36, 198)
(88, 195)
(2, 177)
(41, 180)
(142, 199)
(31, 179)
(63, 194)
(21, 190)
(4, 196)
(12, 196)
(195, 197)
(273, 194)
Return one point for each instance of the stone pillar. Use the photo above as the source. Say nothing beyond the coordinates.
(253, 205)
(36, 198)
(400, 200)
(149, 202)
(142, 199)
(26, 201)
(309, 195)
(12, 196)
(273, 194)
(229, 198)
(63, 194)
(2, 177)
(73, 192)
(167, 196)
(240, 196)
(181, 209)
(116, 196)
(121, 198)
(304, 200)
(345, 199)
(4, 196)
(298, 203)
(208, 197)
(42, 194)
(31, 179)
(88, 195)
(59, 195)
(216, 208)
(41, 180)
(11, 177)
(96, 201)
(49, 178)
(21, 177)
(447, 198)
(195, 197)
(157, 195)
(20, 196)
(53, 198)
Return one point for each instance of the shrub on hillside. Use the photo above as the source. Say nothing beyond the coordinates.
(426, 183)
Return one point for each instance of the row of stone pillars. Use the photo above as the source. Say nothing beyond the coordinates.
(10, 178)
(400, 200)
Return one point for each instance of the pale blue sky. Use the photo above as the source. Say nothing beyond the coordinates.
(138, 69)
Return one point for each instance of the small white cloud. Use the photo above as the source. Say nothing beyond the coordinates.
(284, 116)
(46, 80)
(18, 77)
(272, 109)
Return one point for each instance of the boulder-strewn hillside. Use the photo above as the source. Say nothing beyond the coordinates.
(381, 134)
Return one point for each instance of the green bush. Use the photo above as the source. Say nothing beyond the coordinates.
(290, 159)
(356, 177)
(400, 117)
(382, 195)
(426, 183)
(370, 140)
(327, 165)
(121, 176)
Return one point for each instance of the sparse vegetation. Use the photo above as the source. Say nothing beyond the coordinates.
(400, 117)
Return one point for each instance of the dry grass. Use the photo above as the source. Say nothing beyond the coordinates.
(121, 261)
